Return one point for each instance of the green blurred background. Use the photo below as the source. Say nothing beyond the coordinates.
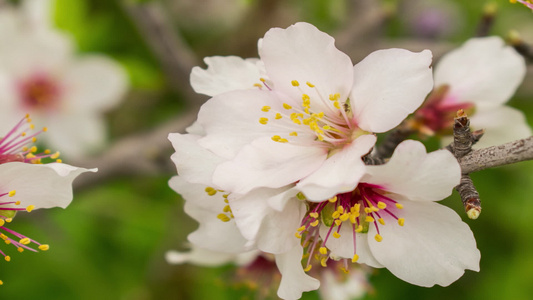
(110, 242)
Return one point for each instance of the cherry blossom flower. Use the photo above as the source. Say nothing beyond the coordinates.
(311, 117)
(390, 220)
(478, 77)
(27, 184)
(41, 75)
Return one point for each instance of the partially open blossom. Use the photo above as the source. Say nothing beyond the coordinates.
(304, 113)
(478, 77)
(27, 184)
(41, 75)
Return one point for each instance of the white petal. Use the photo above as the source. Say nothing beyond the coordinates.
(413, 173)
(433, 247)
(224, 74)
(42, 185)
(231, 120)
(266, 163)
(94, 83)
(304, 53)
(339, 173)
(343, 246)
(294, 281)
(389, 85)
(484, 71)
(212, 234)
(194, 163)
(207, 258)
(354, 286)
(502, 124)
(74, 135)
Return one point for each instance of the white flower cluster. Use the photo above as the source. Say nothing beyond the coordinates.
(273, 167)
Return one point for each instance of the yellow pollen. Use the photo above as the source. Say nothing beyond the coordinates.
(24, 148)
(355, 258)
(7, 258)
(313, 215)
(336, 235)
(45, 129)
(301, 228)
(353, 218)
(210, 191)
(323, 262)
(309, 84)
(332, 200)
(298, 235)
(401, 221)
(258, 85)
(323, 250)
(20, 249)
(295, 83)
(278, 116)
(381, 221)
(294, 133)
(286, 106)
(223, 218)
(382, 205)
(59, 161)
(55, 155)
(336, 214)
(7, 242)
(340, 209)
(23, 134)
(359, 228)
(265, 108)
(2, 222)
(30, 208)
(262, 79)
(368, 210)
(263, 121)
(338, 222)
(9, 220)
(378, 238)
(326, 127)
(398, 205)
(315, 223)
(226, 209)
(369, 219)
(25, 241)
(276, 138)
(337, 105)
(345, 216)
(34, 139)
(306, 99)
(12, 193)
(1, 282)
(308, 268)
(30, 156)
(47, 151)
(33, 149)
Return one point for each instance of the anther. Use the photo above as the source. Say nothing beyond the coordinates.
(308, 268)
(336, 235)
(398, 205)
(381, 221)
(30, 208)
(295, 83)
(378, 238)
(323, 250)
(286, 106)
(309, 84)
(401, 221)
(12, 193)
(369, 219)
(7, 258)
(25, 241)
(355, 258)
(382, 205)
(265, 108)
(263, 121)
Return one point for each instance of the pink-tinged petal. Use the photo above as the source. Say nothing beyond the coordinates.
(194, 163)
(265, 163)
(294, 281)
(343, 246)
(415, 174)
(389, 85)
(484, 71)
(212, 233)
(433, 247)
(502, 124)
(339, 173)
(94, 83)
(208, 258)
(224, 74)
(303, 53)
(231, 120)
(41, 185)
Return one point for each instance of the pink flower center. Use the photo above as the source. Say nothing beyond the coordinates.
(439, 110)
(39, 92)
(366, 206)
(8, 210)
(16, 145)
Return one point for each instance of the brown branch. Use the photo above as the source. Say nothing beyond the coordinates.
(495, 156)
(469, 196)
(392, 140)
(487, 20)
(139, 155)
(174, 55)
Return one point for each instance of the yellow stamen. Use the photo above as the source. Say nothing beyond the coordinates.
(333, 200)
(382, 205)
(286, 106)
(12, 193)
(398, 205)
(323, 262)
(378, 238)
(313, 215)
(355, 258)
(278, 116)
(7, 258)
(323, 250)
(381, 221)
(295, 83)
(265, 108)
(30, 208)
(25, 241)
(308, 268)
(369, 219)
(401, 221)
(310, 84)
(210, 191)
(263, 121)
(336, 235)
(315, 223)
(223, 218)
